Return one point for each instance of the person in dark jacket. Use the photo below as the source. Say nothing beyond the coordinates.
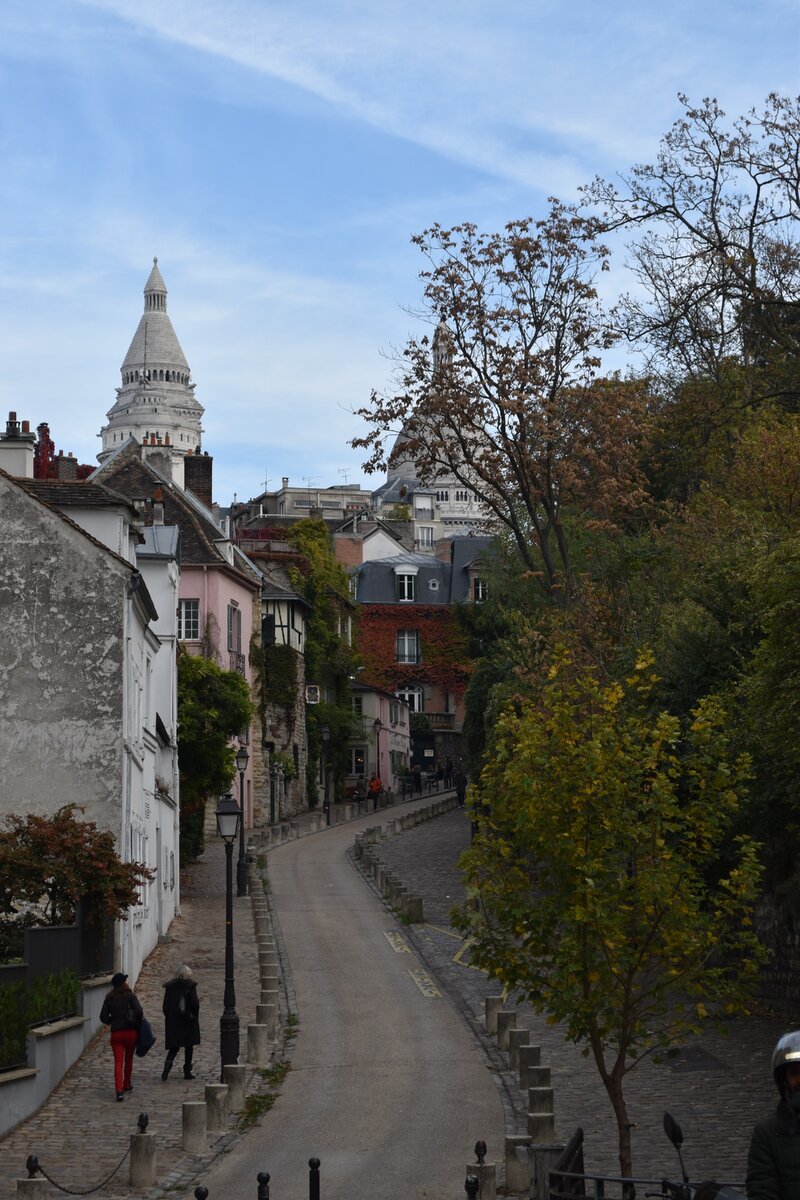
(122, 1012)
(181, 1010)
(773, 1162)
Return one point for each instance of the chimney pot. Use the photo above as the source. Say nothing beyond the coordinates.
(26, 426)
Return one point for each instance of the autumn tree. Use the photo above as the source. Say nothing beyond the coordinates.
(507, 398)
(604, 897)
(214, 706)
(715, 253)
(50, 863)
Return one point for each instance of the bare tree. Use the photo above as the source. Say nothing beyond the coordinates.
(506, 399)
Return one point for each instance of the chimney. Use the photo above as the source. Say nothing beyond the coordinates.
(285, 482)
(16, 448)
(66, 466)
(197, 470)
(158, 506)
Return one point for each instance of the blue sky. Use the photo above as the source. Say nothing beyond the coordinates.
(277, 155)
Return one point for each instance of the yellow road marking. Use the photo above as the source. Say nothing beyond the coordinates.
(397, 941)
(425, 984)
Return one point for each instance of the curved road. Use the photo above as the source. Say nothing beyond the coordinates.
(387, 1087)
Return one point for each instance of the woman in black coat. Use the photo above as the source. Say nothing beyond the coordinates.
(181, 1010)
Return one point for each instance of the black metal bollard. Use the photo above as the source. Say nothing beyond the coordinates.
(263, 1185)
(200, 1193)
(471, 1185)
(313, 1179)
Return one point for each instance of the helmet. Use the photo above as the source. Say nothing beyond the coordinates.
(786, 1051)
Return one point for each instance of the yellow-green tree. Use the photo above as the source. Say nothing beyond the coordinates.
(613, 894)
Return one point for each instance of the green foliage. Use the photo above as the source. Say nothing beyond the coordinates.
(338, 720)
(50, 863)
(213, 707)
(603, 897)
(49, 997)
(325, 586)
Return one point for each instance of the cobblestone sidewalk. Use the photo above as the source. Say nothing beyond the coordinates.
(81, 1132)
(717, 1089)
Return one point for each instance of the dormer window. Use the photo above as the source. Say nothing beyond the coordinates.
(405, 587)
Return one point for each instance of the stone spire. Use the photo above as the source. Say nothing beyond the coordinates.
(156, 403)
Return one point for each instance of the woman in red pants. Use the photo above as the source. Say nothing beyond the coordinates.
(123, 1012)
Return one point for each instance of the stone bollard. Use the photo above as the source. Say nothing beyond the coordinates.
(516, 1038)
(412, 910)
(541, 1160)
(541, 1126)
(269, 977)
(34, 1189)
(528, 1056)
(234, 1076)
(518, 1171)
(269, 996)
(142, 1170)
(492, 1005)
(259, 1046)
(216, 1107)
(265, 1015)
(540, 1100)
(487, 1178)
(506, 1021)
(535, 1077)
(348, 812)
(194, 1126)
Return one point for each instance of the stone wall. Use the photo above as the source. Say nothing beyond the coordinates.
(781, 975)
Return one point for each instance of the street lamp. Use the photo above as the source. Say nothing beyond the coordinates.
(228, 816)
(326, 804)
(377, 725)
(242, 759)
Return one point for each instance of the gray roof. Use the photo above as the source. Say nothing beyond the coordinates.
(436, 582)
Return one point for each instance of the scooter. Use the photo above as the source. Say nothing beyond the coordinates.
(710, 1190)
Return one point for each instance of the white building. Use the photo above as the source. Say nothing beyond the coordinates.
(156, 404)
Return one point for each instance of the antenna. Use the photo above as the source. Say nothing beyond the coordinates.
(267, 480)
(344, 472)
(309, 479)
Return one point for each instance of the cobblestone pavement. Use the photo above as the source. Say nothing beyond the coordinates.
(81, 1132)
(718, 1087)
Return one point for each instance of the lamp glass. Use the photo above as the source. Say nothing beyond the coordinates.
(242, 758)
(227, 817)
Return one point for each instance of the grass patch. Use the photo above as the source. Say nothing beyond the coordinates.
(261, 861)
(275, 1074)
(255, 1107)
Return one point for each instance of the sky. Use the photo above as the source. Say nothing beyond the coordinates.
(278, 155)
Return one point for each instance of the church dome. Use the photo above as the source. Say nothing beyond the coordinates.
(155, 343)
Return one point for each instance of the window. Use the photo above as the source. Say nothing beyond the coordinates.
(440, 496)
(426, 536)
(407, 646)
(358, 759)
(394, 712)
(234, 629)
(405, 587)
(480, 589)
(414, 698)
(358, 705)
(188, 620)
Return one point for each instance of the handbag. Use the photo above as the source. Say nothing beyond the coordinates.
(146, 1038)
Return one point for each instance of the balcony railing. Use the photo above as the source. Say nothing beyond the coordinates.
(237, 662)
(441, 720)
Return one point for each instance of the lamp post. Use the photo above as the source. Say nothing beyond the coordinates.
(326, 804)
(228, 824)
(377, 725)
(242, 759)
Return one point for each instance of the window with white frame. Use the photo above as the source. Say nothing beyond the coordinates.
(188, 620)
(407, 646)
(414, 697)
(358, 760)
(425, 537)
(480, 589)
(405, 587)
(234, 628)
(394, 712)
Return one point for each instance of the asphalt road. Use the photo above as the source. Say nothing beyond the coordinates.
(387, 1087)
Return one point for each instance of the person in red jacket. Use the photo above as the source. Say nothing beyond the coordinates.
(375, 788)
(123, 1012)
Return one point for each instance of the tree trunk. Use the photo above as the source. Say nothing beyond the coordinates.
(615, 1095)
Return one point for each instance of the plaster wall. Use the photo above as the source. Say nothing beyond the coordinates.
(62, 602)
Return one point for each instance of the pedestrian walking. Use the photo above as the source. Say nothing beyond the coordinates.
(122, 1012)
(181, 1010)
(416, 772)
(375, 787)
(460, 783)
(448, 773)
(773, 1162)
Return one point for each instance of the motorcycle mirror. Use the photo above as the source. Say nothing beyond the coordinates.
(673, 1130)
